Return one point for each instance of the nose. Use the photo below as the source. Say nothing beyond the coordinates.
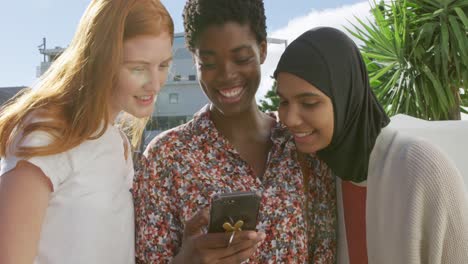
(227, 71)
(290, 116)
(154, 81)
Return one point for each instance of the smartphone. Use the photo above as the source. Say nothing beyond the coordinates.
(232, 207)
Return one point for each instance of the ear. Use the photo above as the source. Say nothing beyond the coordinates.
(263, 51)
(195, 60)
(193, 52)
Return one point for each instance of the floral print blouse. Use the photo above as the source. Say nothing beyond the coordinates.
(184, 167)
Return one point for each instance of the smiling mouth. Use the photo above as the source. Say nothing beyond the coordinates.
(303, 134)
(145, 98)
(232, 92)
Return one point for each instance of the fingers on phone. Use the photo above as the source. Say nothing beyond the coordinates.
(213, 246)
(220, 240)
(240, 252)
(194, 225)
(250, 236)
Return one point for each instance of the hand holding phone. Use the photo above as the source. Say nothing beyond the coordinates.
(198, 245)
(234, 212)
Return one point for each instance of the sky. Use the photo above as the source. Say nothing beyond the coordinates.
(24, 23)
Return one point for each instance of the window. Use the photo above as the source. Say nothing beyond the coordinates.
(192, 78)
(173, 98)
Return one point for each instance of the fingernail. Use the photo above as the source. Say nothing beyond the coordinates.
(252, 235)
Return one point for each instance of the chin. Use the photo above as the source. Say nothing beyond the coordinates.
(226, 110)
(307, 149)
(141, 114)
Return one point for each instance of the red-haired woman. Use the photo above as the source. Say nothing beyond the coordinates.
(66, 168)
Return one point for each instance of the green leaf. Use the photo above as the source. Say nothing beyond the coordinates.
(444, 48)
(383, 71)
(415, 50)
(462, 16)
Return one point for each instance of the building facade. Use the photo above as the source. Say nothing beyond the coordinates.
(182, 96)
(50, 55)
(6, 93)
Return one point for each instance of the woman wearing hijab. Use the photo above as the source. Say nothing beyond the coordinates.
(412, 206)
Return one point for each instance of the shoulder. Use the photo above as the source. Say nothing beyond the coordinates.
(424, 165)
(27, 135)
(418, 154)
(426, 158)
(280, 134)
(170, 141)
(160, 163)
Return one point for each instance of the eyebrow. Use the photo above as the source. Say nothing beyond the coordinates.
(136, 62)
(234, 50)
(301, 95)
(145, 62)
(168, 59)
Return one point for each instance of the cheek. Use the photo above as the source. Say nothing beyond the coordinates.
(322, 120)
(138, 79)
(206, 81)
(202, 76)
(163, 78)
(121, 90)
(328, 124)
(280, 113)
(133, 80)
(253, 73)
(126, 86)
(117, 98)
(328, 132)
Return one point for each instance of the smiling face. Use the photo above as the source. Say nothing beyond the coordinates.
(306, 111)
(228, 59)
(143, 72)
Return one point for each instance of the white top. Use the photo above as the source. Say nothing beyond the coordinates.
(417, 204)
(448, 135)
(90, 216)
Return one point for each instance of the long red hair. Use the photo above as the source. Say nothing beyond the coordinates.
(72, 96)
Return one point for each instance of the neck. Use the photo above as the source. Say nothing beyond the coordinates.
(249, 123)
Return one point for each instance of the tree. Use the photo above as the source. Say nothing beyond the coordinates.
(271, 101)
(416, 53)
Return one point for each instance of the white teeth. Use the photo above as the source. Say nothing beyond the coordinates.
(144, 97)
(302, 134)
(231, 92)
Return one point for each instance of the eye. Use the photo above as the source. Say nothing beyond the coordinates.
(283, 103)
(164, 66)
(206, 66)
(138, 69)
(205, 62)
(243, 60)
(309, 104)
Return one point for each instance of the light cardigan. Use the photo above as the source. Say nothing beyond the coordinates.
(416, 207)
